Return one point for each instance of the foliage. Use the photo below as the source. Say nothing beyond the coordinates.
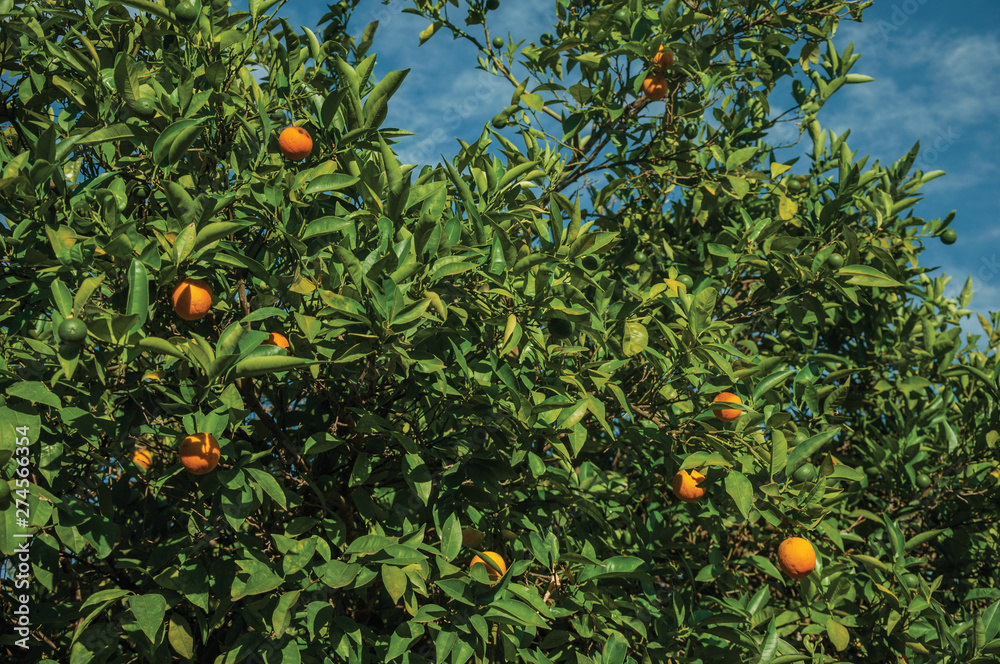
(434, 383)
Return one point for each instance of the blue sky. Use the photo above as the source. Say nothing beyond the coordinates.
(937, 80)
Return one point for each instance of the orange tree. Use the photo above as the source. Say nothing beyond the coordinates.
(517, 349)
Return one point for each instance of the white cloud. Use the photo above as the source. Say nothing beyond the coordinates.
(930, 86)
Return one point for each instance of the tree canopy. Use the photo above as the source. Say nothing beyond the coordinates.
(507, 357)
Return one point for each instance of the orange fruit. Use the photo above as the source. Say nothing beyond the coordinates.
(495, 568)
(295, 143)
(192, 299)
(200, 453)
(278, 339)
(662, 59)
(143, 459)
(727, 414)
(655, 87)
(796, 557)
(686, 485)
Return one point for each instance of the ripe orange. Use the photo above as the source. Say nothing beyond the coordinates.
(200, 453)
(295, 143)
(686, 485)
(279, 340)
(727, 414)
(796, 557)
(192, 299)
(655, 87)
(662, 59)
(143, 459)
(495, 568)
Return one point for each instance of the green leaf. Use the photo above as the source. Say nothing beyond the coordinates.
(615, 649)
(180, 636)
(325, 226)
(838, 634)
(418, 476)
(148, 611)
(635, 340)
(184, 244)
(369, 544)
(772, 381)
(376, 104)
(216, 231)
(702, 309)
(113, 132)
(35, 392)
(161, 346)
(741, 490)
(779, 453)
(769, 646)
(394, 580)
(138, 291)
(62, 297)
(739, 156)
(261, 365)
(801, 452)
(863, 275)
(126, 82)
(83, 294)
(269, 485)
(330, 182)
(922, 538)
(281, 617)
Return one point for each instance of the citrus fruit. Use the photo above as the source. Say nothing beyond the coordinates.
(560, 328)
(590, 263)
(691, 131)
(687, 281)
(640, 257)
(923, 480)
(192, 299)
(805, 473)
(472, 538)
(911, 580)
(492, 4)
(835, 261)
(495, 567)
(295, 143)
(187, 11)
(546, 39)
(277, 339)
(727, 414)
(794, 186)
(686, 487)
(949, 236)
(654, 87)
(662, 59)
(143, 459)
(498, 42)
(144, 107)
(72, 330)
(796, 557)
(621, 15)
(200, 453)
